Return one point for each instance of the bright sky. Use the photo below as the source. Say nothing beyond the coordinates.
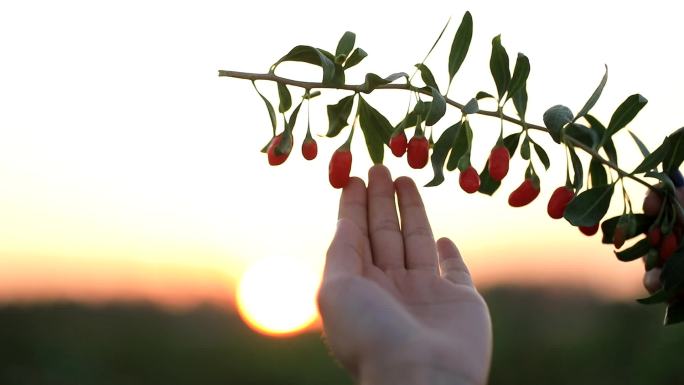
(129, 169)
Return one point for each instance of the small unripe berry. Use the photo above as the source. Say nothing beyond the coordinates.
(398, 143)
(309, 149)
(469, 180)
(524, 194)
(589, 230)
(619, 236)
(498, 162)
(339, 168)
(274, 158)
(559, 201)
(417, 152)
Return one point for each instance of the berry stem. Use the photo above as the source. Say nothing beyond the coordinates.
(392, 86)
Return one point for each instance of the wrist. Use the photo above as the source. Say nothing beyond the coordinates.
(415, 365)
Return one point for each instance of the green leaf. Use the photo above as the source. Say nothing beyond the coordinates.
(520, 74)
(675, 152)
(376, 129)
(637, 250)
(598, 174)
(338, 115)
(543, 157)
(652, 160)
(587, 208)
(374, 81)
(520, 102)
(269, 107)
(525, 148)
(594, 97)
(488, 185)
(674, 313)
(643, 223)
(582, 133)
(460, 45)
(483, 95)
(578, 180)
(606, 142)
(289, 125)
(426, 75)
(346, 43)
(471, 107)
(555, 118)
(460, 146)
(625, 113)
(311, 55)
(440, 152)
(419, 110)
(437, 108)
(659, 296)
(511, 142)
(642, 147)
(285, 98)
(355, 58)
(499, 67)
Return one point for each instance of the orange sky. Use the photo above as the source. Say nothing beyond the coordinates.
(130, 170)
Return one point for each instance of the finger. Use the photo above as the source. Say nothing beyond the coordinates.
(451, 263)
(419, 243)
(347, 251)
(652, 280)
(653, 201)
(353, 204)
(387, 243)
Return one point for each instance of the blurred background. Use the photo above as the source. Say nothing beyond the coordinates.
(145, 239)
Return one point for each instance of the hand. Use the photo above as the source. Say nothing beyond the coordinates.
(397, 307)
(651, 207)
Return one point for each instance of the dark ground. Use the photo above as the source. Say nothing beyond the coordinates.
(540, 338)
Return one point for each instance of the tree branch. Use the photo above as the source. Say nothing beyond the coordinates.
(407, 87)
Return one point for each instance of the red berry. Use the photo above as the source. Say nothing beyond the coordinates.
(668, 246)
(469, 180)
(418, 149)
(619, 236)
(309, 149)
(524, 194)
(498, 162)
(589, 230)
(654, 235)
(559, 201)
(339, 168)
(274, 158)
(398, 144)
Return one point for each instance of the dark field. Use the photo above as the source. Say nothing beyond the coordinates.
(540, 338)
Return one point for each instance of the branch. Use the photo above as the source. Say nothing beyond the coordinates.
(407, 87)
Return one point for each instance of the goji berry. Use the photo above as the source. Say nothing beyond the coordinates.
(559, 201)
(654, 235)
(668, 246)
(309, 149)
(498, 162)
(340, 167)
(524, 194)
(417, 152)
(469, 180)
(589, 230)
(398, 144)
(274, 157)
(619, 236)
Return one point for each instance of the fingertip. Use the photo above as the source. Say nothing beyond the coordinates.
(652, 204)
(378, 170)
(355, 183)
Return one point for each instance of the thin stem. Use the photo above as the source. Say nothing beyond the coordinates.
(358, 88)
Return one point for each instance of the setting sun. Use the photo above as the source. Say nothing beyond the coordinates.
(277, 296)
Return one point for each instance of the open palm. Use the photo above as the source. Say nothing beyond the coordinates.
(393, 301)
